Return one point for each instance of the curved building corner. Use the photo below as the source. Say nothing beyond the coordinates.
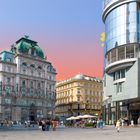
(122, 60)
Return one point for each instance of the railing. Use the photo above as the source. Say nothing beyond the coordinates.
(107, 2)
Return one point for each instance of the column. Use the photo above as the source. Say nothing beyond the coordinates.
(117, 110)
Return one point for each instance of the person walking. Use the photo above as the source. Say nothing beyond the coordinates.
(43, 125)
(118, 126)
(48, 123)
(122, 122)
(54, 124)
(138, 121)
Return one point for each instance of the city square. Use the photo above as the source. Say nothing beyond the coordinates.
(70, 70)
(62, 133)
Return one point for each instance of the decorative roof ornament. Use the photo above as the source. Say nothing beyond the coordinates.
(26, 36)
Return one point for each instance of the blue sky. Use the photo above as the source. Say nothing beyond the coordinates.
(65, 25)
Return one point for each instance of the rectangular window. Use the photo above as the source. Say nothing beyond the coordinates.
(119, 74)
(119, 87)
(122, 73)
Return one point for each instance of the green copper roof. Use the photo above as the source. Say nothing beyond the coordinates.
(7, 56)
(23, 45)
(39, 52)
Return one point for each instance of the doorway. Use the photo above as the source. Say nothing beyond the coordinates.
(32, 112)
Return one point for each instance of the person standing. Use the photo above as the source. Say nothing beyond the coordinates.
(132, 123)
(138, 121)
(54, 124)
(118, 126)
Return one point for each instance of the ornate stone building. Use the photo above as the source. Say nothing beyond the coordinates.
(27, 82)
(79, 95)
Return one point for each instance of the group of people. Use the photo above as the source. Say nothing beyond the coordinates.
(122, 122)
(45, 125)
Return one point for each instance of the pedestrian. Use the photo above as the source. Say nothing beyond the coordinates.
(98, 123)
(43, 125)
(101, 123)
(132, 123)
(48, 123)
(138, 121)
(122, 122)
(25, 123)
(54, 124)
(40, 124)
(118, 126)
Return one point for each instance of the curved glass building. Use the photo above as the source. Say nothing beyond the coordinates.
(122, 57)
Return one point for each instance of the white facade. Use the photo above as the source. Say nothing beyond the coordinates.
(27, 83)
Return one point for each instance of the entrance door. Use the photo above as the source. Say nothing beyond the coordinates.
(32, 113)
(135, 115)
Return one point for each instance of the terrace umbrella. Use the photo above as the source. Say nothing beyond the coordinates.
(87, 116)
(72, 118)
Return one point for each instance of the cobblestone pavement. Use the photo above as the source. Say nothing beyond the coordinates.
(107, 133)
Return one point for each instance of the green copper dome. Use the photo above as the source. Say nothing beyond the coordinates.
(39, 52)
(24, 45)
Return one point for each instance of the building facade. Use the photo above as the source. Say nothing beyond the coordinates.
(27, 82)
(78, 95)
(122, 60)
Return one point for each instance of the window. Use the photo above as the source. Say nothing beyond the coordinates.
(122, 73)
(119, 87)
(23, 83)
(24, 71)
(130, 52)
(119, 74)
(39, 74)
(31, 84)
(121, 53)
(39, 85)
(8, 80)
(9, 69)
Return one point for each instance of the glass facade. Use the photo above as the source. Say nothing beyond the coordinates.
(122, 50)
(122, 25)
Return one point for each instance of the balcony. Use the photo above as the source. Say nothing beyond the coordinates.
(121, 57)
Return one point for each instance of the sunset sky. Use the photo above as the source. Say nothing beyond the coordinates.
(68, 31)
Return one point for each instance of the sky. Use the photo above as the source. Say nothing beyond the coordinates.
(68, 31)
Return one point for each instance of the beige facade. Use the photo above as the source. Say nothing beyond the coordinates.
(79, 95)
